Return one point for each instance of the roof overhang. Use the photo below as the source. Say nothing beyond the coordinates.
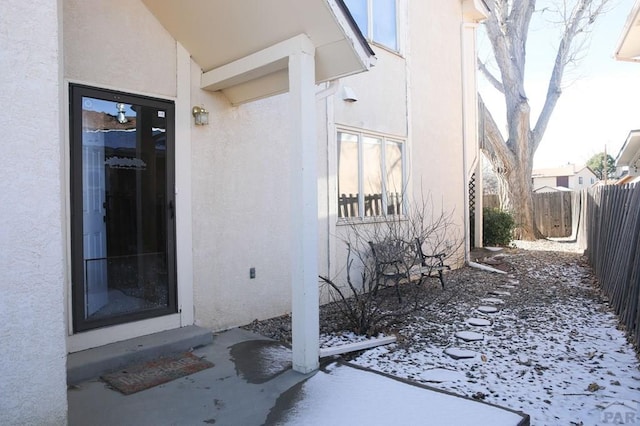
(628, 48)
(475, 10)
(630, 152)
(241, 45)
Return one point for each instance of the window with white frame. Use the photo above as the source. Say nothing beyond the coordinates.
(377, 20)
(580, 182)
(370, 175)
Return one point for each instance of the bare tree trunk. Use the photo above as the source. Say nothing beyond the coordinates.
(513, 163)
(512, 154)
(520, 204)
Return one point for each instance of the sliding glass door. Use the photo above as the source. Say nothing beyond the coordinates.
(122, 224)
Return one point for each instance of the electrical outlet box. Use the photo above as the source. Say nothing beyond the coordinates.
(252, 273)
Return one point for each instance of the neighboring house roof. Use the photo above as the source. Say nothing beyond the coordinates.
(629, 154)
(628, 179)
(568, 170)
(241, 46)
(547, 188)
(628, 48)
(625, 180)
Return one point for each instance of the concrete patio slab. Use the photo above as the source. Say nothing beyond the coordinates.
(252, 383)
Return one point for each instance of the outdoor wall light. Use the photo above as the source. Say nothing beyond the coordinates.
(201, 115)
(121, 117)
(349, 95)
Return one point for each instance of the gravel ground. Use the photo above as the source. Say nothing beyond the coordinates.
(552, 350)
(464, 286)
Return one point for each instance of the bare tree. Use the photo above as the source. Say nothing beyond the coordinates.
(507, 29)
(489, 179)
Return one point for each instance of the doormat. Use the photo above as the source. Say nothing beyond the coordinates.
(146, 375)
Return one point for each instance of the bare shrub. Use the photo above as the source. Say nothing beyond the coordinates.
(382, 263)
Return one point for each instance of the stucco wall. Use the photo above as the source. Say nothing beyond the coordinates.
(436, 99)
(241, 207)
(32, 348)
(240, 162)
(239, 172)
(118, 44)
(382, 100)
(437, 127)
(417, 95)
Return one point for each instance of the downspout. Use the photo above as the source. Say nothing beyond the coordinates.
(467, 240)
(474, 12)
(331, 89)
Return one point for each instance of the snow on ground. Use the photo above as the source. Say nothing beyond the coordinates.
(552, 350)
(342, 395)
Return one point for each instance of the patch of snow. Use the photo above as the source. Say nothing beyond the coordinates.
(561, 364)
(558, 244)
(274, 359)
(439, 375)
(346, 396)
(338, 339)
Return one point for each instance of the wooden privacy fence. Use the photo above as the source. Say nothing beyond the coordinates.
(610, 231)
(491, 201)
(373, 204)
(552, 211)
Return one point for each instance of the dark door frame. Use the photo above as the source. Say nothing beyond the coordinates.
(76, 93)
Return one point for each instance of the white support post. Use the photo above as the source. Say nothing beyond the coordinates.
(304, 211)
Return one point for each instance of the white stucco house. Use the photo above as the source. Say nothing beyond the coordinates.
(628, 49)
(543, 189)
(128, 210)
(628, 159)
(571, 177)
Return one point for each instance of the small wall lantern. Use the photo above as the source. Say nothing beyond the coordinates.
(201, 115)
(349, 95)
(121, 113)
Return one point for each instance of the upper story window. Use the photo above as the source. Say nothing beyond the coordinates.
(370, 175)
(580, 182)
(377, 19)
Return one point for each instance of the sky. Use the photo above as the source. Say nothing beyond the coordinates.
(597, 104)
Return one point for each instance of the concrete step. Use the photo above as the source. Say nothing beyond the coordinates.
(92, 363)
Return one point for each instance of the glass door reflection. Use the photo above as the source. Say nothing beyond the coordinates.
(127, 259)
